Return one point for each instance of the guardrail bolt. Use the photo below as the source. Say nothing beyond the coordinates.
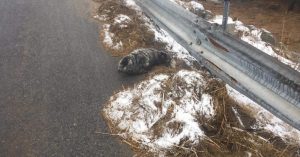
(198, 41)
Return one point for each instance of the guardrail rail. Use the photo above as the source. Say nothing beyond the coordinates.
(264, 79)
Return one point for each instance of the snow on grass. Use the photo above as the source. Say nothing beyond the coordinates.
(219, 19)
(192, 5)
(131, 4)
(100, 17)
(108, 38)
(196, 5)
(160, 112)
(253, 37)
(121, 19)
(266, 120)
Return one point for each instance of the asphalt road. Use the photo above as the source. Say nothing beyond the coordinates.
(54, 78)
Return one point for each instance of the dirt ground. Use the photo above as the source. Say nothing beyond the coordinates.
(272, 15)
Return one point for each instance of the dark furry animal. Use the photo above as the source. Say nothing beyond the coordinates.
(142, 60)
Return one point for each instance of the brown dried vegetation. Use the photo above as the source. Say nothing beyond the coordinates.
(135, 35)
(225, 135)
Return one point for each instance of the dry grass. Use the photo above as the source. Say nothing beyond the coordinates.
(135, 35)
(225, 135)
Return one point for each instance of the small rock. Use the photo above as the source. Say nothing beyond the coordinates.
(196, 6)
(251, 27)
(268, 37)
(231, 29)
(205, 14)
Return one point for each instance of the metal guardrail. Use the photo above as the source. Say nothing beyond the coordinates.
(262, 78)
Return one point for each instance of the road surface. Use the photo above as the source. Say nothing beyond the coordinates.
(54, 79)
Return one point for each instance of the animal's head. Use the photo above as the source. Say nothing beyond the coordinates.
(164, 57)
(125, 64)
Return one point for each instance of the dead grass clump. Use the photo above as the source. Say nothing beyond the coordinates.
(135, 34)
(112, 8)
(231, 133)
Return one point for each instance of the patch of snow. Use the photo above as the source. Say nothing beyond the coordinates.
(192, 5)
(196, 5)
(108, 38)
(239, 26)
(238, 96)
(190, 130)
(107, 35)
(135, 111)
(121, 19)
(100, 17)
(266, 120)
(131, 4)
(218, 19)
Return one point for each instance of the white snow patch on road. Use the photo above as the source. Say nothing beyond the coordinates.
(164, 100)
(266, 120)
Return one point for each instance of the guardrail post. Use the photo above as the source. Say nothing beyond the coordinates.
(225, 14)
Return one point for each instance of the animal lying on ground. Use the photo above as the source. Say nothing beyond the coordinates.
(142, 60)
